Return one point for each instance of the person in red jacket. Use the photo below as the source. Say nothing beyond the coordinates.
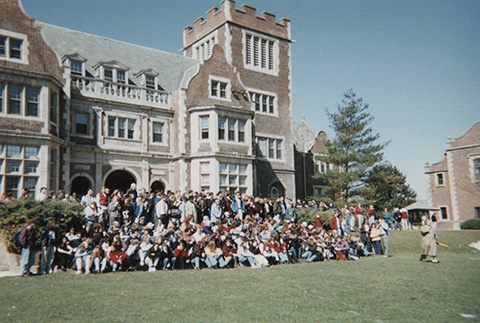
(318, 222)
(335, 222)
(180, 255)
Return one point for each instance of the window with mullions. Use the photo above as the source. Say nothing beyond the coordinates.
(476, 169)
(241, 130)
(221, 128)
(157, 132)
(81, 123)
(108, 75)
(121, 77)
(150, 82)
(76, 67)
(121, 127)
(15, 94)
(262, 102)
(14, 151)
(204, 127)
(231, 129)
(233, 177)
(218, 89)
(32, 101)
(53, 107)
(11, 47)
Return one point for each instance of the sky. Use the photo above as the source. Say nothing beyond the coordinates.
(416, 63)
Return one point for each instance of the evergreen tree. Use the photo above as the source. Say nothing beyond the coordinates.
(386, 186)
(353, 150)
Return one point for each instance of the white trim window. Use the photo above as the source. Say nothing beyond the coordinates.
(260, 53)
(76, 67)
(230, 129)
(158, 132)
(13, 47)
(219, 88)
(233, 177)
(205, 176)
(19, 99)
(204, 48)
(265, 103)
(204, 127)
(82, 123)
(122, 128)
(270, 148)
(443, 212)
(440, 179)
(21, 167)
(476, 169)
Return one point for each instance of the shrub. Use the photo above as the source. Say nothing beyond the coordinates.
(15, 214)
(308, 216)
(473, 224)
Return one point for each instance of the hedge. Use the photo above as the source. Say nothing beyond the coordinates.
(15, 214)
(473, 224)
(308, 215)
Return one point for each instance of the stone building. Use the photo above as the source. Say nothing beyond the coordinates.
(309, 145)
(80, 111)
(454, 183)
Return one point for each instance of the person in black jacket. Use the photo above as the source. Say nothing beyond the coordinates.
(27, 239)
(50, 239)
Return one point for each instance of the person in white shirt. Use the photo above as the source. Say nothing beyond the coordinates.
(42, 196)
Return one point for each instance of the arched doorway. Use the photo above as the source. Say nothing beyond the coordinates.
(157, 186)
(80, 186)
(277, 190)
(119, 179)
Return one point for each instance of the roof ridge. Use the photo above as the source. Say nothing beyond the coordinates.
(115, 40)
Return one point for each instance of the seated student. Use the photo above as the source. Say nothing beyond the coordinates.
(153, 257)
(213, 255)
(99, 260)
(83, 257)
(255, 249)
(198, 254)
(74, 238)
(180, 256)
(342, 248)
(269, 254)
(329, 249)
(166, 257)
(116, 257)
(135, 256)
(229, 253)
(244, 255)
(310, 251)
(63, 255)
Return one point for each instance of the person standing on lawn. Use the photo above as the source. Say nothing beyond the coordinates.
(27, 239)
(428, 242)
(50, 237)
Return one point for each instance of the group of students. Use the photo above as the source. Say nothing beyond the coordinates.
(193, 231)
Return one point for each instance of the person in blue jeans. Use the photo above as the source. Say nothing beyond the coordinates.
(27, 239)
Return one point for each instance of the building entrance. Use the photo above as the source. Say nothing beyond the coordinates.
(119, 179)
(157, 186)
(80, 186)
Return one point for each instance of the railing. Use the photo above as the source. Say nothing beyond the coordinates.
(93, 87)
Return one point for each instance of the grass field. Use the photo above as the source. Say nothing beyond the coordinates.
(374, 289)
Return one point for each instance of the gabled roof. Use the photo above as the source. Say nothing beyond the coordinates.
(303, 136)
(96, 49)
(471, 137)
(421, 205)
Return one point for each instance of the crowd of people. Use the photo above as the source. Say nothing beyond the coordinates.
(137, 230)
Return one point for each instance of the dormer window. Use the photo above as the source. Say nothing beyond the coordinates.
(150, 81)
(112, 71)
(108, 75)
(77, 67)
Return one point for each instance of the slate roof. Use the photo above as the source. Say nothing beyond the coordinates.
(421, 205)
(303, 136)
(170, 67)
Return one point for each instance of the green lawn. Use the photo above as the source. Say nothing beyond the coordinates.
(374, 289)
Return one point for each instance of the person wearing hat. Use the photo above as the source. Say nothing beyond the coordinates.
(27, 239)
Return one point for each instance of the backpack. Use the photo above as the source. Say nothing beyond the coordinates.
(19, 238)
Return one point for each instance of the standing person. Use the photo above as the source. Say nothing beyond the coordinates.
(385, 241)
(237, 205)
(371, 215)
(335, 223)
(428, 242)
(375, 238)
(161, 211)
(27, 239)
(347, 215)
(102, 200)
(359, 214)
(88, 198)
(404, 219)
(132, 190)
(190, 209)
(42, 196)
(50, 240)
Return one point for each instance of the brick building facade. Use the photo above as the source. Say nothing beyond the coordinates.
(80, 111)
(454, 183)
